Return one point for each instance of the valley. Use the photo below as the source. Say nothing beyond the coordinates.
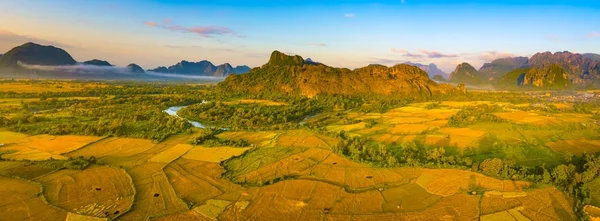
(481, 155)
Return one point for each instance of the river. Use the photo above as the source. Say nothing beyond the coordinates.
(173, 112)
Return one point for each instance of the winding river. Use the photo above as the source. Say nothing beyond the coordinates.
(173, 112)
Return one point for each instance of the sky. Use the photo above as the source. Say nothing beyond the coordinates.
(339, 33)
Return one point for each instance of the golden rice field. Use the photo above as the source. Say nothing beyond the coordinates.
(102, 192)
(172, 180)
(252, 101)
(213, 154)
(43, 147)
(48, 86)
(576, 147)
(284, 175)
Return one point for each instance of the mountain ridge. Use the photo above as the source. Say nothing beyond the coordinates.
(202, 68)
(292, 75)
(431, 69)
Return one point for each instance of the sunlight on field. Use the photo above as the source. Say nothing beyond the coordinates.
(116, 147)
(261, 102)
(259, 139)
(97, 191)
(576, 147)
(541, 204)
(171, 154)
(50, 86)
(213, 154)
(43, 147)
(21, 201)
(462, 137)
(10, 137)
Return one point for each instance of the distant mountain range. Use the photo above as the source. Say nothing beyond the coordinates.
(292, 75)
(431, 69)
(202, 68)
(34, 60)
(560, 70)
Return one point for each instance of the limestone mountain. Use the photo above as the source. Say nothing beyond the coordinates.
(97, 62)
(35, 54)
(581, 70)
(292, 75)
(552, 77)
(466, 74)
(202, 68)
(431, 69)
(499, 67)
(134, 68)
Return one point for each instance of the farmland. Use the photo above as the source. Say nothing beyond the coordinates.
(417, 160)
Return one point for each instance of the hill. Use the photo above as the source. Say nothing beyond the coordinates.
(582, 70)
(499, 67)
(466, 74)
(134, 68)
(35, 54)
(292, 75)
(552, 77)
(431, 69)
(97, 62)
(202, 68)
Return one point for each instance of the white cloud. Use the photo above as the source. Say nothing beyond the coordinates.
(349, 15)
(493, 55)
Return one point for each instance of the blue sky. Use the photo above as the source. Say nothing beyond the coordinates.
(340, 33)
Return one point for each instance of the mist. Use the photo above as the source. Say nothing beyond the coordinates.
(112, 70)
(78, 68)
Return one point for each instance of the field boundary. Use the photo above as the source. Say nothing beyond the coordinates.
(86, 145)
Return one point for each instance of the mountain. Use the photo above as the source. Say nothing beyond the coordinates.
(134, 68)
(292, 75)
(202, 68)
(499, 67)
(553, 77)
(241, 69)
(466, 74)
(431, 69)
(593, 57)
(35, 54)
(580, 69)
(97, 62)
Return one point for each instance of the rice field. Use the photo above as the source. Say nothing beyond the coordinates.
(43, 147)
(97, 192)
(213, 154)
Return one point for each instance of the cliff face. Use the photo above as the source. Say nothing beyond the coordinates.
(580, 69)
(552, 77)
